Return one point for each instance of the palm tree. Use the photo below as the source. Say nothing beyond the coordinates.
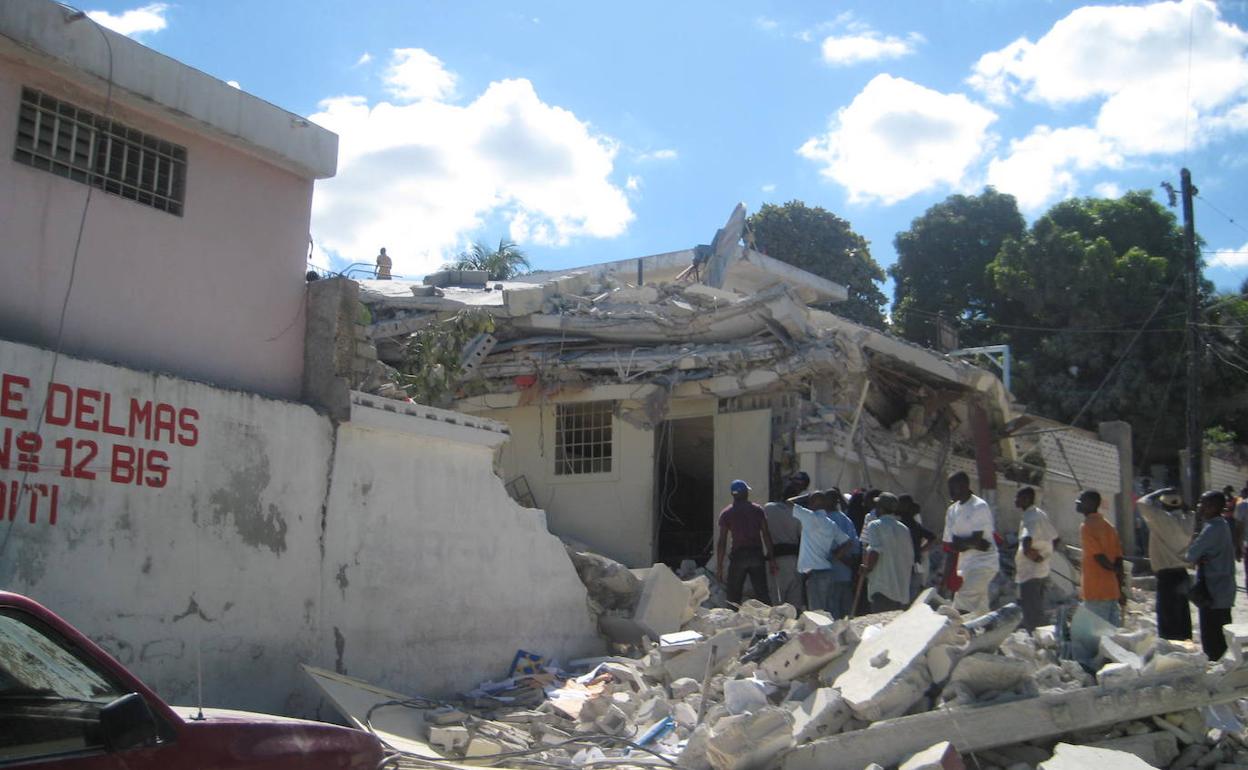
(507, 261)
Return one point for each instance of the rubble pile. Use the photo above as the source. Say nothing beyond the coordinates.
(718, 688)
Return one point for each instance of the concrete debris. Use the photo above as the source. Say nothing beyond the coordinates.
(888, 672)
(941, 756)
(1068, 757)
(718, 688)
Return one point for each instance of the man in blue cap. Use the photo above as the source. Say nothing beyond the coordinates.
(751, 545)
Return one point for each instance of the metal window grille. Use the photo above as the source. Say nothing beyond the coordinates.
(77, 144)
(583, 438)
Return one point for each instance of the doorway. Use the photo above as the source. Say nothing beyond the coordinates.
(684, 490)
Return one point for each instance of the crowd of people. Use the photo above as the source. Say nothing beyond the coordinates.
(867, 551)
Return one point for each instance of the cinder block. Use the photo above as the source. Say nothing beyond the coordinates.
(805, 652)
(449, 739)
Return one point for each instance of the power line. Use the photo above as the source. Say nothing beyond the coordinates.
(1224, 215)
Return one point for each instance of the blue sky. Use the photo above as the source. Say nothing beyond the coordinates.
(594, 131)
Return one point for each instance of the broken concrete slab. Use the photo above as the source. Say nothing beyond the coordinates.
(824, 712)
(692, 664)
(1236, 639)
(1067, 756)
(1158, 749)
(984, 672)
(977, 727)
(364, 705)
(888, 671)
(661, 606)
(750, 741)
(940, 756)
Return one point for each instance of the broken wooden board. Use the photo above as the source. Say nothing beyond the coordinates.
(399, 727)
(973, 728)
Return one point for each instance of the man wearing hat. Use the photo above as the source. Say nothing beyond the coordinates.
(786, 532)
(751, 545)
(1169, 533)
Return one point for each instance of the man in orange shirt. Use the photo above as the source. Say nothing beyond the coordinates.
(1102, 561)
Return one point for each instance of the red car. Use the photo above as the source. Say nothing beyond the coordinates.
(65, 703)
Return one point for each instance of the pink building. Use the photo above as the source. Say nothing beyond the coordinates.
(195, 234)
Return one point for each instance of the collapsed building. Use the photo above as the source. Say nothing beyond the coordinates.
(635, 391)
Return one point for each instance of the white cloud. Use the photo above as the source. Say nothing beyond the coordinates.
(897, 139)
(420, 178)
(1108, 190)
(665, 154)
(765, 24)
(1040, 167)
(415, 74)
(847, 50)
(768, 188)
(1135, 60)
(365, 58)
(149, 18)
(1233, 258)
(633, 183)
(233, 84)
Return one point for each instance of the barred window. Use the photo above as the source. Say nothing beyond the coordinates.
(583, 438)
(77, 144)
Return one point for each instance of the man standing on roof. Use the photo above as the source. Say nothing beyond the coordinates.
(1034, 561)
(970, 543)
(786, 532)
(751, 545)
(1102, 588)
(1169, 535)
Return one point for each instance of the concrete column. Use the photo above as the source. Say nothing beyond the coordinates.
(329, 346)
(1118, 433)
(985, 454)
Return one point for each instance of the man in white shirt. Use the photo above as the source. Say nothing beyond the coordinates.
(889, 558)
(969, 541)
(1169, 535)
(1034, 561)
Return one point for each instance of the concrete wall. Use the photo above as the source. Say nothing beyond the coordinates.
(258, 533)
(216, 294)
(612, 513)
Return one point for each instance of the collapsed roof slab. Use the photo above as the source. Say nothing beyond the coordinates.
(738, 321)
(743, 270)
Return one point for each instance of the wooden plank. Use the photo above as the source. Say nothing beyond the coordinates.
(984, 727)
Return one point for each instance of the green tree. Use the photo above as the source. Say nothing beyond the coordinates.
(941, 266)
(507, 261)
(1225, 391)
(820, 242)
(1072, 297)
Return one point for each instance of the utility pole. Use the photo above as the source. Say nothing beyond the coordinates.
(1195, 435)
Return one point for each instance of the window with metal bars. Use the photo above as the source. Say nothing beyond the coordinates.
(583, 438)
(72, 142)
